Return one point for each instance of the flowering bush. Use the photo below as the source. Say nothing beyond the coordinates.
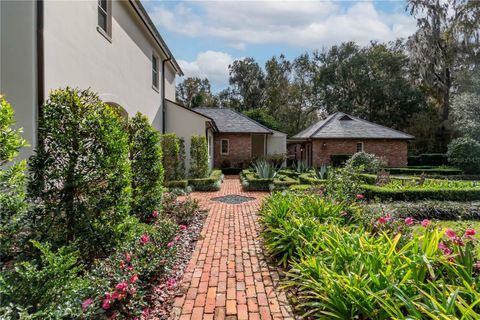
(366, 162)
(181, 212)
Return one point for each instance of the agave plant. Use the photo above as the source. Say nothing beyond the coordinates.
(264, 169)
(300, 166)
(321, 173)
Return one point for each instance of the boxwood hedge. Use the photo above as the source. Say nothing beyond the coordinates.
(421, 193)
(211, 183)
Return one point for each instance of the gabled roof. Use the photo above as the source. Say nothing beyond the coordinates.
(231, 121)
(344, 126)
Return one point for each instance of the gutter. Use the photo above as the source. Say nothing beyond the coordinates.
(164, 100)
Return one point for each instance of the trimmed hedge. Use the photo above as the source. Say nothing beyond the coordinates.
(428, 159)
(427, 171)
(251, 183)
(421, 193)
(307, 178)
(471, 177)
(212, 183)
(372, 178)
(283, 183)
(180, 184)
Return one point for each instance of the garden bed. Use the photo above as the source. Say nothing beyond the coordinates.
(212, 183)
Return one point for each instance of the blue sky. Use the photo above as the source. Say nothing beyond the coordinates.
(206, 36)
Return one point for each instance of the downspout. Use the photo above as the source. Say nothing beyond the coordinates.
(164, 101)
(40, 61)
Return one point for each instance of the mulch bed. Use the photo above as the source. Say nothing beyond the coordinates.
(164, 292)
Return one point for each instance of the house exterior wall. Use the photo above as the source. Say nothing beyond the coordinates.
(276, 143)
(184, 124)
(120, 70)
(18, 76)
(240, 150)
(394, 151)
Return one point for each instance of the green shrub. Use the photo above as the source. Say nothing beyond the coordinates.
(366, 162)
(80, 175)
(301, 167)
(47, 289)
(250, 182)
(427, 171)
(171, 150)
(199, 157)
(181, 184)
(428, 159)
(146, 166)
(181, 170)
(422, 193)
(181, 212)
(309, 178)
(264, 169)
(12, 182)
(343, 184)
(338, 160)
(282, 182)
(276, 159)
(212, 183)
(465, 154)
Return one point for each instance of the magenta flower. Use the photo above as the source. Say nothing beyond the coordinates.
(360, 196)
(134, 278)
(446, 250)
(106, 304)
(458, 241)
(469, 233)
(409, 221)
(183, 227)
(171, 283)
(450, 233)
(384, 219)
(177, 238)
(86, 303)
(155, 213)
(146, 313)
(170, 244)
(133, 290)
(425, 223)
(144, 239)
(122, 286)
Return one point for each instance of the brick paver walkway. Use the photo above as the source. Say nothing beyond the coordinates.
(227, 277)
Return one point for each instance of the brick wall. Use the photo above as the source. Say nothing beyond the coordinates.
(395, 151)
(240, 149)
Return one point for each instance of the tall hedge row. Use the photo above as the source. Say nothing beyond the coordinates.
(171, 151)
(147, 168)
(80, 178)
(199, 157)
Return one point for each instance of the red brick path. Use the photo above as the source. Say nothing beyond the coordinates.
(227, 277)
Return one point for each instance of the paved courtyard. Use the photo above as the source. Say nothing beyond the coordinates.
(227, 277)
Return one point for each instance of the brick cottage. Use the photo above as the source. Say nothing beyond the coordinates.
(343, 134)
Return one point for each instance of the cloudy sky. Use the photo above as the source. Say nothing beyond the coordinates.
(206, 36)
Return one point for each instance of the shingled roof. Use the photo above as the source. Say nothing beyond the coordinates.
(231, 121)
(344, 126)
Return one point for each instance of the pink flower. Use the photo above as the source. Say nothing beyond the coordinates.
(469, 233)
(476, 265)
(384, 219)
(446, 250)
(134, 278)
(133, 290)
(146, 312)
(171, 283)
(170, 244)
(183, 227)
(127, 257)
(155, 213)
(458, 241)
(344, 213)
(450, 233)
(144, 239)
(106, 304)
(425, 223)
(409, 221)
(86, 303)
(177, 238)
(122, 286)
(360, 196)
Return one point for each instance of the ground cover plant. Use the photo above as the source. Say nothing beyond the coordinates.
(347, 262)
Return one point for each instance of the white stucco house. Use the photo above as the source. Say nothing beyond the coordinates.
(109, 46)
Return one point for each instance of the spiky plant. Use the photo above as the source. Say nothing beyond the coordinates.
(264, 169)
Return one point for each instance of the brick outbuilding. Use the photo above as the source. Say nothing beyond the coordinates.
(343, 134)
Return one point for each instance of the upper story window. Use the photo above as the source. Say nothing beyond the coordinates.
(155, 72)
(224, 147)
(359, 146)
(105, 18)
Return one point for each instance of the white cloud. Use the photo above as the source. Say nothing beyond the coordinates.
(209, 64)
(307, 24)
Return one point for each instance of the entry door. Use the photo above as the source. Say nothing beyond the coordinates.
(258, 146)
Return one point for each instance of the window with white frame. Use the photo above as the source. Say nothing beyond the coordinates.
(155, 71)
(224, 147)
(105, 18)
(359, 146)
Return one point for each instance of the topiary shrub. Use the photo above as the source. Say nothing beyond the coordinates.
(366, 162)
(80, 174)
(12, 180)
(170, 149)
(464, 153)
(181, 171)
(147, 168)
(198, 157)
